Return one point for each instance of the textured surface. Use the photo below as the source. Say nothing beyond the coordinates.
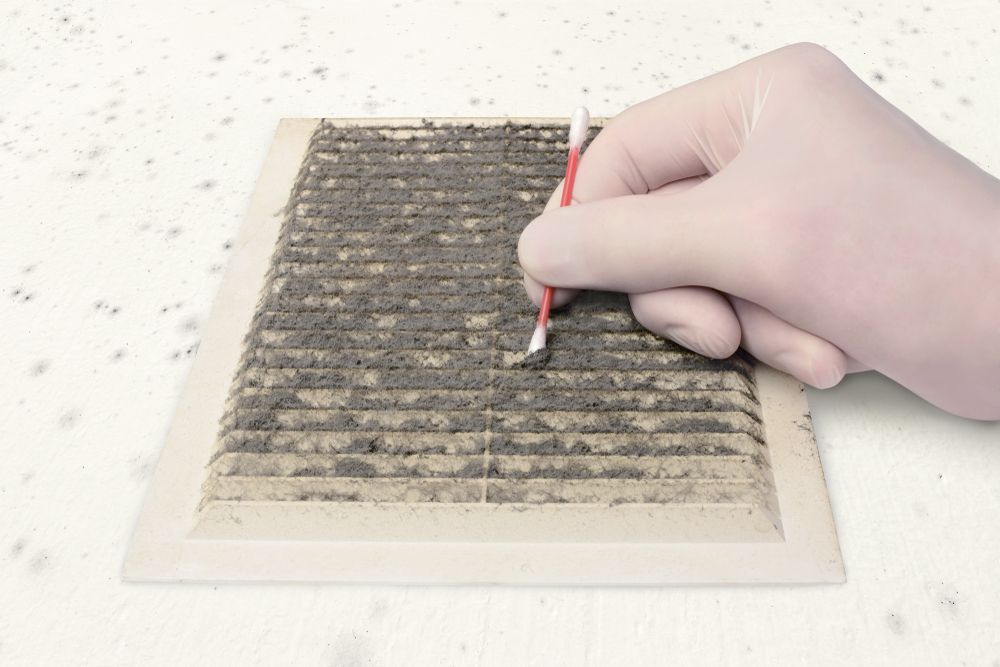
(385, 359)
(132, 136)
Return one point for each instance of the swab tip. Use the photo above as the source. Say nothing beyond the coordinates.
(578, 125)
(538, 339)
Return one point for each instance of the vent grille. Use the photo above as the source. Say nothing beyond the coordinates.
(384, 359)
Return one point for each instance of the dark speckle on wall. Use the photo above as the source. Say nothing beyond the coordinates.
(107, 308)
(69, 418)
(17, 547)
(896, 623)
(39, 562)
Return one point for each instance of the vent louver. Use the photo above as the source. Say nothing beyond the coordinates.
(383, 361)
(379, 397)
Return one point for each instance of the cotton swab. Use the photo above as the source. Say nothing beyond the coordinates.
(577, 134)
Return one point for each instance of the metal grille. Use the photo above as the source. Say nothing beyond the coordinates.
(384, 362)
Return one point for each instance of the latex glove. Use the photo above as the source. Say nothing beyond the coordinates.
(784, 206)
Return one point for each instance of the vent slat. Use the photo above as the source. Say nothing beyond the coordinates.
(618, 491)
(730, 467)
(346, 489)
(512, 399)
(530, 444)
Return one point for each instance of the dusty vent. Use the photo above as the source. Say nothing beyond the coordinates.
(382, 396)
(383, 363)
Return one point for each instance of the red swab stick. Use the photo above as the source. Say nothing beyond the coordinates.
(577, 135)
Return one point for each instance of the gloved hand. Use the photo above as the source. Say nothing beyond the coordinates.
(784, 206)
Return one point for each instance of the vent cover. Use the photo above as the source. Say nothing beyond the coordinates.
(380, 407)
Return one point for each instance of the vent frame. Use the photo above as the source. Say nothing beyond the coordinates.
(177, 540)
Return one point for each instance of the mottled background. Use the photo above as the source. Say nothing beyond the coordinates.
(130, 138)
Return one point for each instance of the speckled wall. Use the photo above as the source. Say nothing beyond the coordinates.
(131, 135)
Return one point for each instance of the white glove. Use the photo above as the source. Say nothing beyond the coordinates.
(782, 205)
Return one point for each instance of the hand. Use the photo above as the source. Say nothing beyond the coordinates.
(782, 205)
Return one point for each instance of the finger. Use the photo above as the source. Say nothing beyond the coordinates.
(677, 187)
(563, 296)
(641, 244)
(534, 288)
(698, 318)
(671, 188)
(777, 343)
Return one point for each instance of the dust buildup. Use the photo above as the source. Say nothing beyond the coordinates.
(385, 360)
(536, 359)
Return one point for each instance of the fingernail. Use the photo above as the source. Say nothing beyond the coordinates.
(825, 374)
(704, 342)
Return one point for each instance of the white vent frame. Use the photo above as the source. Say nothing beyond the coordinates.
(175, 540)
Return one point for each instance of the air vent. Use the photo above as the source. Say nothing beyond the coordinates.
(379, 422)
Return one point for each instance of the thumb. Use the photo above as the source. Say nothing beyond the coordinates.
(641, 243)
